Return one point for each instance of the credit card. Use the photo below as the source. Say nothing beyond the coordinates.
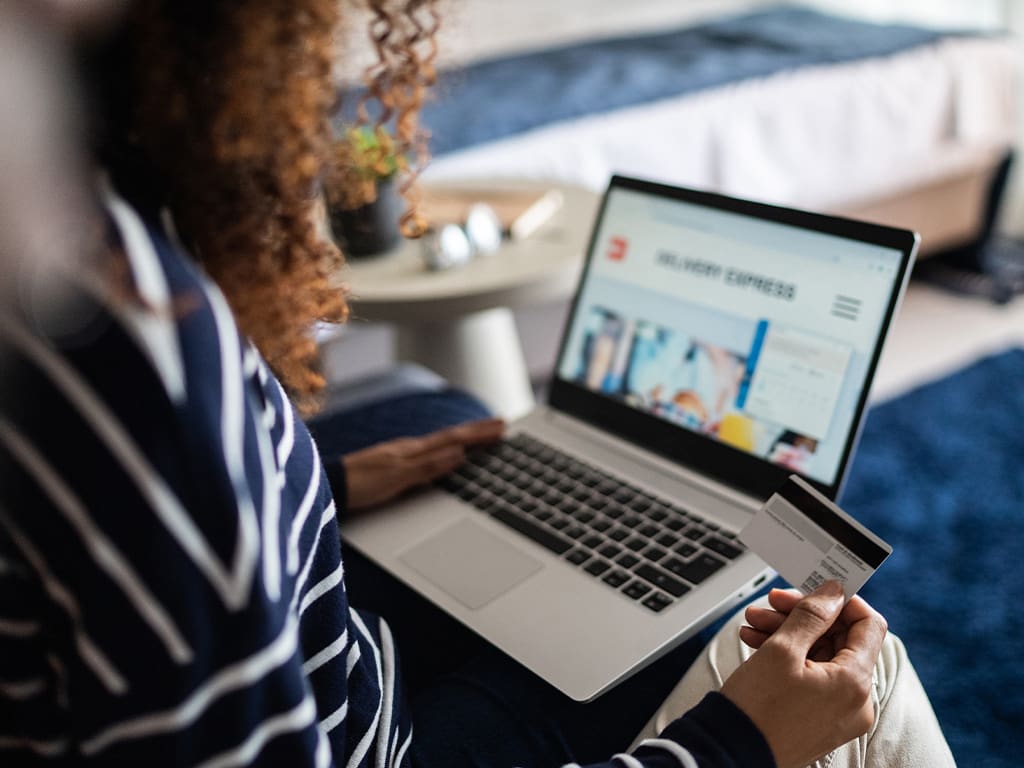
(809, 540)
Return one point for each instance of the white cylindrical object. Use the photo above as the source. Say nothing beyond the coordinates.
(479, 352)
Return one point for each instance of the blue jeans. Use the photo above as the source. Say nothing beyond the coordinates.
(472, 705)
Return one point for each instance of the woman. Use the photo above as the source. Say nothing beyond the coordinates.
(171, 583)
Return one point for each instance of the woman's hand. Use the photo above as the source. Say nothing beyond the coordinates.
(808, 687)
(381, 472)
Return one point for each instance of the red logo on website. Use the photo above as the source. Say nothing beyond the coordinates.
(617, 247)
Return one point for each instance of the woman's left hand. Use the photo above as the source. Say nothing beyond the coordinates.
(382, 472)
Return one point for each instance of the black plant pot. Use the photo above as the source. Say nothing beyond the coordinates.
(372, 228)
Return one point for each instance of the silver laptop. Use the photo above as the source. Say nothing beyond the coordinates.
(714, 347)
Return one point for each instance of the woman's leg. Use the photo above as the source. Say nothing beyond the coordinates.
(474, 706)
(905, 734)
(493, 713)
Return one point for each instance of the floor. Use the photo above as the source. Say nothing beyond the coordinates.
(937, 332)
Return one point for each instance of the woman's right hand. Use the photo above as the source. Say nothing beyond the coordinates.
(382, 472)
(808, 687)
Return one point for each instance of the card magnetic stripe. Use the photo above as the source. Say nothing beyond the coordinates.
(839, 529)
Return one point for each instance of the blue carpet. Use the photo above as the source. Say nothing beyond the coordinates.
(940, 476)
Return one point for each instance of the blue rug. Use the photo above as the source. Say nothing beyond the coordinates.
(940, 476)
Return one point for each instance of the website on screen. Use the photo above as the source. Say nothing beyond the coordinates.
(755, 334)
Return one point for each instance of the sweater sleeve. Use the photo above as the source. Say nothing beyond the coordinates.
(334, 467)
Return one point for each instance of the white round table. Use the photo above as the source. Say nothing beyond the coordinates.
(459, 322)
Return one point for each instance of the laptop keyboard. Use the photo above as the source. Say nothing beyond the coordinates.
(650, 550)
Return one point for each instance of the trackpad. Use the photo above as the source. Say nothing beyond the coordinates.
(470, 563)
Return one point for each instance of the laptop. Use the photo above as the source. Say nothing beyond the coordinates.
(714, 347)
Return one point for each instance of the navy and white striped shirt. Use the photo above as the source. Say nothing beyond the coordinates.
(171, 582)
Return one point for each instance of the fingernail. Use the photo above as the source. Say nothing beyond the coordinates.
(831, 589)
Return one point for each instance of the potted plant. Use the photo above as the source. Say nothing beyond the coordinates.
(363, 199)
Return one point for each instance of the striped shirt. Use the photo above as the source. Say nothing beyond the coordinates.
(171, 582)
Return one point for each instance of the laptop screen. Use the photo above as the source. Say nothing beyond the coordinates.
(753, 333)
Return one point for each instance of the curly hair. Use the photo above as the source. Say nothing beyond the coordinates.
(399, 82)
(220, 111)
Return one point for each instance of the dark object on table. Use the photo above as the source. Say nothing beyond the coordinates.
(990, 266)
(372, 228)
(996, 271)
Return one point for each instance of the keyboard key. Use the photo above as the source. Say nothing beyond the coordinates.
(650, 531)
(533, 531)
(636, 544)
(695, 571)
(657, 602)
(597, 567)
(527, 504)
(654, 554)
(601, 525)
(639, 504)
(578, 556)
(592, 541)
(685, 549)
(631, 521)
(569, 506)
(657, 514)
(618, 534)
(584, 516)
(722, 547)
(574, 531)
(537, 488)
(628, 560)
(661, 580)
(610, 550)
(694, 533)
(667, 539)
(674, 523)
(636, 590)
(616, 578)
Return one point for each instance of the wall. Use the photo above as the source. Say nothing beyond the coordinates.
(1013, 211)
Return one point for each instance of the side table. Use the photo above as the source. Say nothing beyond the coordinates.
(459, 322)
